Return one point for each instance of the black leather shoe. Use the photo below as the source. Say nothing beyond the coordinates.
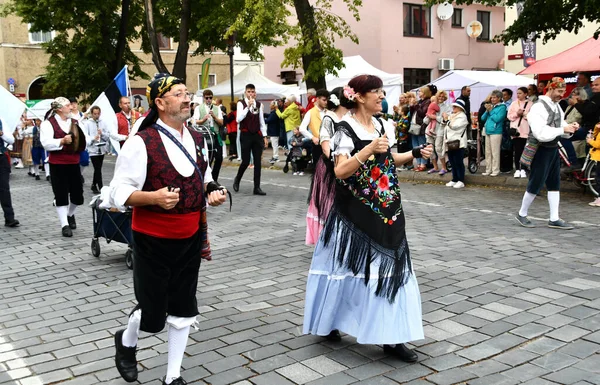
(236, 185)
(48, 178)
(334, 336)
(66, 231)
(177, 381)
(12, 223)
(71, 221)
(402, 352)
(125, 359)
(37, 177)
(258, 191)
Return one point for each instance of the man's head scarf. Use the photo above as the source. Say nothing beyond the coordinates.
(557, 82)
(158, 87)
(59, 103)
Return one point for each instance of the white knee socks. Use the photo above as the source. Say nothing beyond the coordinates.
(527, 201)
(131, 334)
(177, 343)
(62, 212)
(553, 201)
(72, 209)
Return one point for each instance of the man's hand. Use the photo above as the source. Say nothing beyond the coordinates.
(1, 133)
(66, 140)
(315, 140)
(427, 151)
(571, 128)
(166, 199)
(266, 143)
(217, 198)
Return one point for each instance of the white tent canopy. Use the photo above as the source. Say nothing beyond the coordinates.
(356, 65)
(480, 82)
(265, 88)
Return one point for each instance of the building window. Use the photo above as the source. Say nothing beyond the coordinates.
(212, 80)
(40, 36)
(164, 42)
(484, 18)
(457, 17)
(416, 20)
(416, 77)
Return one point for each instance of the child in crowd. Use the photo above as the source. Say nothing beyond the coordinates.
(432, 112)
(298, 152)
(594, 142)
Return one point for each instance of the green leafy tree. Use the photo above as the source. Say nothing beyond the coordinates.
(546, 18)
(91, 44)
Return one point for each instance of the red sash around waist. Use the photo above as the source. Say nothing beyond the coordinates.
(161, 225)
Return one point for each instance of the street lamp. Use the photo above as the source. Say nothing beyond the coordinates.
(230, 44)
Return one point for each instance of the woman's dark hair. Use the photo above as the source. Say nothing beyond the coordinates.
(534, 88)
(233, 106)
(362, 84)
(523, 90)
(338, 92)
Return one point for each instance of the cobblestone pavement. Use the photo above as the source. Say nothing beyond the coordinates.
(501, 304)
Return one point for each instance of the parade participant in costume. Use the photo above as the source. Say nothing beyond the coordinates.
(210, 117)
(38, 154)
(26, 156)
(64, 139)
(321, 197)
(84, 156)
(361, 280)
(547, 124)
(311, 123)
(163, 172)
(126, 118)
(253, 136)
(6, 138)
(97, 129)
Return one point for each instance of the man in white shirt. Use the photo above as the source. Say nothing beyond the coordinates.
(64, 140)
(210, 117)
(163, 172)
(253, 136)
(101, 134)
(311, 124)
(9, 215)
(547, 122)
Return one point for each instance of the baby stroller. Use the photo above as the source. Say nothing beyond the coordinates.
(113, 226)
(301, 161)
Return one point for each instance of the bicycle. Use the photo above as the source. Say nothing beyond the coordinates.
(586, 176)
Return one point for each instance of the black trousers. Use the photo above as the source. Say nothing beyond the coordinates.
(66, 184)
(97, 161)
(232, 143)
(217, 160)
(165, 278)
(518, 147)
(5, 200)
(317, 151)
(251, 143)
(545, 170)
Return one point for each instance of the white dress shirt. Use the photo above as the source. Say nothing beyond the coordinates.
(202, 110)
(47, 134)
(7, 136)
(242, 112)
(131, 167)
(91, 128)
(306, 122)
(538, 120)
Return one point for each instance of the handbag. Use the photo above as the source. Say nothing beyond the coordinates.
(529, 151)
(415, 128)
(453, 145)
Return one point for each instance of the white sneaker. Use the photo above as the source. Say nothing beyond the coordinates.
(459, 184)
(595, 203)
(451, 184)
(517, 174)
(493, 174)
(485, 173)
(295, 173)
(301, 173)
(523, 174)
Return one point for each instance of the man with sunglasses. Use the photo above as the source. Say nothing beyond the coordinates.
(210, 117)
(163, 173)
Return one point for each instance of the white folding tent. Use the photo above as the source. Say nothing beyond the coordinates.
(480, 82)
(265, 89)
(356, 65)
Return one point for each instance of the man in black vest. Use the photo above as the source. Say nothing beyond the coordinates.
(5, 201)
(253, 136)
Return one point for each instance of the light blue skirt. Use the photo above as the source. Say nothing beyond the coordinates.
(337, 299)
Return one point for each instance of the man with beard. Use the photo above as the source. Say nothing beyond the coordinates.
(547, 123)
(126, 118)
(163, 172)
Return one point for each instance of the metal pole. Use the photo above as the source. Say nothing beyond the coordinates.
(231, 70)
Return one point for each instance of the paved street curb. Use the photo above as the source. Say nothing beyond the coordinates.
(502, 180)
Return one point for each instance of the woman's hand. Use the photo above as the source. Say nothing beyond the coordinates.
(444, 116)
(378, 146)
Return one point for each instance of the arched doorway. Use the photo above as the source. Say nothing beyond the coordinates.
(35, 89)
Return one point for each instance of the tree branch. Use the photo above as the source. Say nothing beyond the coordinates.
(156, 56)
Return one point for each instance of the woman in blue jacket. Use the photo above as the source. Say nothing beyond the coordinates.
(493, 118)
